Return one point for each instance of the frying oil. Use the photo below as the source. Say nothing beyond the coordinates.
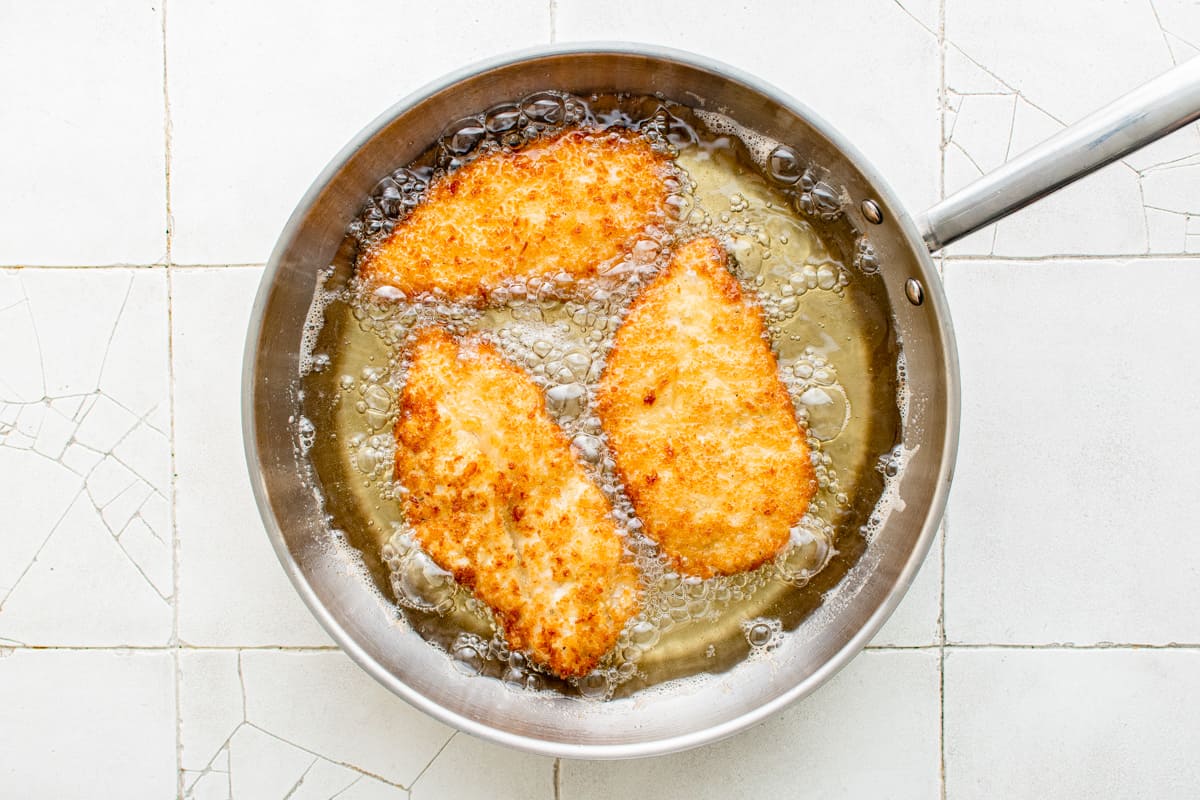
(828, 326)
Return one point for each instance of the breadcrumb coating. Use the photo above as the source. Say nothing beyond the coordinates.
(497, 497)
(568, 204)
(702, 429)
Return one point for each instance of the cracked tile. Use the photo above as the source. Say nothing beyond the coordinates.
(150, 553)
(261, 765)
(107, 480)
(1181, 50)
(84, 589)
(80, 459)
(22, 379)
(232, 590)
(925, 12)
(367, 788)
(1179, 20)
(209, 786)
(213, 46)
(891, 113)
(1114, 210)
(1069, 519)
(106, 424)
(83, 161)
(872, 731)
(1099, 214)
(1059, 59)
(79, 463)
(74, 318)
(54, 434)
(87, 724)
(346, 716)
(1125, 722)
(349, 734)
(38, 492)
(469, 768)
(210, 705)
(141, 449)
(324, 780)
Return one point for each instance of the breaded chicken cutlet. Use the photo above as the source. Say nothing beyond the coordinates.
(701, 427)
(566, 204)
(497, 497)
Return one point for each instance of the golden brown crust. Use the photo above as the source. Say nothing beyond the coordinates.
(567, 204)
(702, 429)
(497, 497)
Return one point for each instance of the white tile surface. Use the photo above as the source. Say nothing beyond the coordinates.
(1083, 724)
(470, 769)
(211, 706)
(871, 732)
(63, 738)
(347, 716)
(81, 107)
(802, 51)
(84, 462)
(914, 623)
(1069, 520)
(232, 590)
(1007, 93)
(257, 117)
(242, 727)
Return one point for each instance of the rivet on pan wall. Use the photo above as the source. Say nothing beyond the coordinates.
(872, 212)
(914, 291)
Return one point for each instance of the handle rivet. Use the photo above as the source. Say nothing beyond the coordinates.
(872, 212)
(914, 291)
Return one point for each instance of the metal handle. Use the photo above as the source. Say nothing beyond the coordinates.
(1149, 112)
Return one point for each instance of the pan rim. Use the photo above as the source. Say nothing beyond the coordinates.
(661, 746)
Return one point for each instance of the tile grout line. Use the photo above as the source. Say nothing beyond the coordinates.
(429, 764)
(117, 265)
(170, 233)
(553, 21)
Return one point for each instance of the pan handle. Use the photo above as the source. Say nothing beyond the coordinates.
(1149, 112)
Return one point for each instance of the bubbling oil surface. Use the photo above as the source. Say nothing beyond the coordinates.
(828, 325)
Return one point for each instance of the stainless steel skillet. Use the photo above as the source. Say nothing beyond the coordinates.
(683, 715)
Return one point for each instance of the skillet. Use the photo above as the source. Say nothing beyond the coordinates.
(683, 714)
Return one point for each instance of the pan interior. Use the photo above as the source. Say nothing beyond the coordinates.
(348, 584)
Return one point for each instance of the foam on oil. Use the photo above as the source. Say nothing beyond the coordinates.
(828, 326)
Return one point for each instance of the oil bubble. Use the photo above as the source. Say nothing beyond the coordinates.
(567, 400)
(502, 118)
(306, 435)
(469, 653)
(423, 585)
(784, 165)
(828, 411)
(377, 398)
(809, 550)
(545, 108)
(762, 633)
(588, 447)
(644, 634)
(463, 136)
(595, 686)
